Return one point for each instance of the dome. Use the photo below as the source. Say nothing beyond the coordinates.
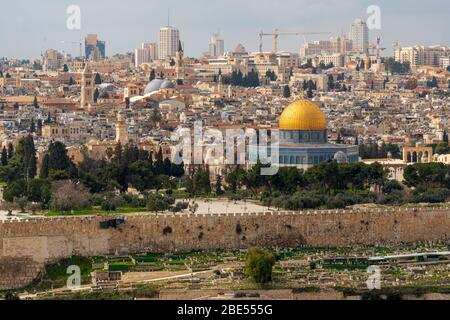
(167, 85)
(156, 84)
(303, 115)
(153, 86)
(340, 157)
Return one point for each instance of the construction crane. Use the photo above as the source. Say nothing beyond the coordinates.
(276, 34)
(75, 42)
(377, 47)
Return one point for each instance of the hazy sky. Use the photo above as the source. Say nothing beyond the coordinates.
(28, 27)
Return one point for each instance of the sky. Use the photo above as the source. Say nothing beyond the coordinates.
(28, 27)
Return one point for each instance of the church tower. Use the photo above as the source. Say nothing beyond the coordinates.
(121, 129)
(179, 62)
(87, 88)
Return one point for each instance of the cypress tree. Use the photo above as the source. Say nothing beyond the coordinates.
(4, 157)
(10, 150)
(286, 92)
(29, 158)
(43, 174)
(98, 79)
(118, 153)
(35, 103)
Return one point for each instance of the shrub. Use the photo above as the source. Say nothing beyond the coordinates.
(395, 197)
(133, 200)
(157, 202)
(259, 265)
(335, 203)
(432, 196)
(108, 206)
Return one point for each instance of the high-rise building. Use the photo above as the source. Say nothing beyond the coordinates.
(422, 55)
(146, 54)
(152, 47)
(216, 46)
(169, 38)
(52, 60)
(93, 46)
(339, 44)
(360, 36)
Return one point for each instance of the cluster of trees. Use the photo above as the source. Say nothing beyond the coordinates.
(237, 78)
(62, 185)
(328, 184)
(20, 163)
(375, 151)
(396, 67)
(332, 185)
(127, 166)
(324, 177)
(271, 75)
(430, 182)
(333, 85)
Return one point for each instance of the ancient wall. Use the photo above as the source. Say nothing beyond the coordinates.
(47, 240)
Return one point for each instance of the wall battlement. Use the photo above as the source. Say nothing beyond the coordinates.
(45, 240)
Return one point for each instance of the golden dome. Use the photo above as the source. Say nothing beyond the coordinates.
(303, 115)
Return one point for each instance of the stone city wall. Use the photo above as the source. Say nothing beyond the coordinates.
(50, 239)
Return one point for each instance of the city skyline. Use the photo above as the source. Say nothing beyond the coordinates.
(124, 27)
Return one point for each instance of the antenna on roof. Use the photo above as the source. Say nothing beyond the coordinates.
(168, 17)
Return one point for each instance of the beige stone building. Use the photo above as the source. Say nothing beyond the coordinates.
(64, 131)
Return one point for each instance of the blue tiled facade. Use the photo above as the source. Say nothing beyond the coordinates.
(304, 149)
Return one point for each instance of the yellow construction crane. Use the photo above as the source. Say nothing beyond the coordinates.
(276, 34)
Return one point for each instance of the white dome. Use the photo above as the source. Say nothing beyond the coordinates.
(156, 84)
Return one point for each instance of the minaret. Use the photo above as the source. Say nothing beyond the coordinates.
(219, 85)
(121, 129)
(87, 88)
(179, 61)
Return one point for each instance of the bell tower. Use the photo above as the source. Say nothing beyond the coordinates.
(87, 88)
(121, 129)
(179, 62)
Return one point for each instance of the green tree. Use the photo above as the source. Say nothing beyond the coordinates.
(201, 182)
(259, 265)
(152, 75)
(10, 150)
(29, 158)
(44, 171)
(57, 157)
(96, 95)
(35, 102)
(15, 189)
(442, 148)
(4, 158)
(32, 126)
(286, 92)
(65, 68)
(219, 190)
(98, 79)
(39, 190)
(158, 203)
(433, 83)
